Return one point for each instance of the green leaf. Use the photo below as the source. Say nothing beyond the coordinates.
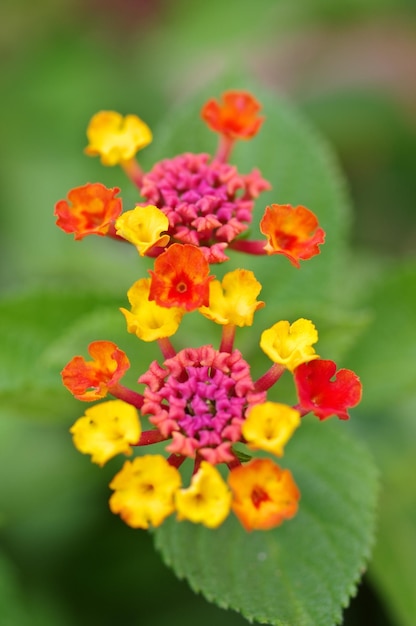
(393, 566)
(385, 358)
(385, 354)
(304, 571)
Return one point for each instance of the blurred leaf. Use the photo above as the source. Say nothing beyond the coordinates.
(385, 357)
(304, 571)
(16, 610)
(393, 566)
(385, 354)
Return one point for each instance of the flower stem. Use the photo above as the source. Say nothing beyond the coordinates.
(166, 348)
(133, 170)
(176, 460)
(269, 378)
(127, 395)
(224, 150)
(150, 436)
(227, 339)
(234, 463)
(250, 247)
(302, 412)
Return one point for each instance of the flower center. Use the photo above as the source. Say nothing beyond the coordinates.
(200, 398)
(207, 203)
(258, 496)
(181, 287)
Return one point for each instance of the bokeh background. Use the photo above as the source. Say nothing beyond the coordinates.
(350, 68)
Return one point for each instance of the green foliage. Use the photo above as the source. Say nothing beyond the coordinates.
(304, 571)
(385, 356)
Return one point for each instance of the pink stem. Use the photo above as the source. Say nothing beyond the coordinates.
(176, 460)
(234, 463)
(251, 247)
(198, 461)
(133, 170)
(150, 436)
(224, 150)
(227, 339)
(127, 395)
(302, 412)
(166, 348)
(269, 378)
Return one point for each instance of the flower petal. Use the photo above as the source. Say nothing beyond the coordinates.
(269, 426)
(148, 320)
(181, 278)
(144, 491)
(207, 501)
(235, 117)
(233, 301)
(292, 231)
(264, 495)
(143, 227)
(116, 138)
(324, 391)
(91, 380)
(290, 344)
(90, 210)
(106, 429)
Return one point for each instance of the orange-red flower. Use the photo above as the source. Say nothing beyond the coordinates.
(181, 278)
(324, 391)
(264, 494)
(236, 117)
(91, 380)
(292, 231)
(90, 210)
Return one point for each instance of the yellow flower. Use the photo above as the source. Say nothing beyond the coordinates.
(143, 227)
(148, 320)
(144, 491)
(234, 300)
(269, 426)
(116, 138)
(106, 429)
(207, 501)
(290, 344)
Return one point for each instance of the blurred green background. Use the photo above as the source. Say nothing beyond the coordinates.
(349, 67)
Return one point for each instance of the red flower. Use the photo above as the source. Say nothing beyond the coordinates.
(91, 380)
(236, 116)
(321, 395)
(94, 208)
(292, 231)
(181, 278)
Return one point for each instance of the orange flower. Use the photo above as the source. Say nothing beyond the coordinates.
(94, 208)
(181, 278)
(264, 494)
(91, 380)
(292, 231)
(236, 117)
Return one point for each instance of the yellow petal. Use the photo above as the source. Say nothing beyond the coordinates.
(269, 426)
(290, 344)
(143, 227)
(207, 501)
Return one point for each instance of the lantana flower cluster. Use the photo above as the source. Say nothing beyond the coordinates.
(201, 403)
